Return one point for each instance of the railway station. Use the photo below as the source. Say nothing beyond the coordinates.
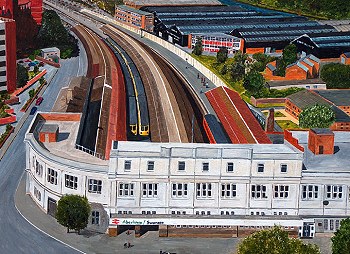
(135, 138)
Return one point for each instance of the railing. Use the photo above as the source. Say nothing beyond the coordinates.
(87, 150)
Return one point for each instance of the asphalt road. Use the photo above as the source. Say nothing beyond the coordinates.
(16, 234)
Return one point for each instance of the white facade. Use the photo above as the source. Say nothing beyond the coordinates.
(193, 179)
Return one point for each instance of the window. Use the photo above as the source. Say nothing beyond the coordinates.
(309, 192)
(95, 217)
(259, 191)
(71, 181)
(284, 168)
(281, 191)
(127, 165)
(260, 167)
(179, 190)
(149, 190)
(228, 190)
(37, 194)
(150, 165)
(205, 166)
(204, 190)
(230, 166)
(38, 168)
(181, 165)
(52, 176)
(95, 186)
(126, 189)
(334, 191)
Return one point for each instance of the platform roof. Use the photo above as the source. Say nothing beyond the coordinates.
(237, 119)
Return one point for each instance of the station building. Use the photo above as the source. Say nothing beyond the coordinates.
(180, 189)
(8, 69)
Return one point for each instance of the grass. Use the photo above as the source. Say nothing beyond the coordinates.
(287, 124)
(279, 114)
(211, 64)
(270, 105)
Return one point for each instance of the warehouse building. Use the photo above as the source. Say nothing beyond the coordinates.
(338, 97)
(134, 17)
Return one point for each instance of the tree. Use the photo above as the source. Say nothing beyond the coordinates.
(336, 76)
(254, 81)
(237, 71)
(31, 93)
(275, 240)
(317, 116)
(221, 55)
(22, 75)
(198, 47)
(341, 238)
(73, 212)
(290, 54)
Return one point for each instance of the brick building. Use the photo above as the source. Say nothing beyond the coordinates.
(338, 97)
(7, 54)
(10, 7)
(134, 17)
(345, 58)
(297, 102)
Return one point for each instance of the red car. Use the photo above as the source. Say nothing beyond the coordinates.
(39, 101)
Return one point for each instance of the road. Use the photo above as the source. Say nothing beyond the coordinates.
(17, 235)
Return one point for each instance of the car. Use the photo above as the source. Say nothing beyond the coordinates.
(39, 101)
(33, 110)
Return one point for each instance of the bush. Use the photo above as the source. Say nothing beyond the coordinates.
(317, 116)
(31, 93)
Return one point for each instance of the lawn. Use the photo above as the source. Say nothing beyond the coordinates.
(211, 64)
(287, 124)
(276, 114)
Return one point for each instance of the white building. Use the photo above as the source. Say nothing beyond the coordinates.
(199, 184)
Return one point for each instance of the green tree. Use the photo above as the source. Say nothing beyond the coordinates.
(31, 93)
(221, 55)
(275, 240)
(22, 75)
(336, 75)
(341, 238)
(198, 47)
(317, 116)
(73, 212)
(254, 81)
(290, 54)
(237, 71)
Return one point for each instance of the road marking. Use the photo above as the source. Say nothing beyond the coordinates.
(39, 228)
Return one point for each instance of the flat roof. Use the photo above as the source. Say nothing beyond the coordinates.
(50, 49)
(339, 97)
(127, 8)
(49, 128)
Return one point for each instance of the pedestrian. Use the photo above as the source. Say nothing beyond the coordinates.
(128, 232)
(129, 245)
(198, 75)
(125, 245)
(160, 252)
(206, 85)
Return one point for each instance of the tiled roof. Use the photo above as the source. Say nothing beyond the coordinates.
(235, 116)
(339, 97)
(305, 98)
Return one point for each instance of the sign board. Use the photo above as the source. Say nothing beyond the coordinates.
(200, 221)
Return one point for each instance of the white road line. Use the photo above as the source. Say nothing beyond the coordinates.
(39, 228)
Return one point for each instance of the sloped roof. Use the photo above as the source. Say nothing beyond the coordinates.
(339, 97)
(271, 67)
(305, 98)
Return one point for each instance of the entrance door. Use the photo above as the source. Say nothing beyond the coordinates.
(320, 149)
(307, 230)
(51, 207)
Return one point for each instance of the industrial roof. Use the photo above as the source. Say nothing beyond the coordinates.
(172, 2)
(305, 98)
(340, 115)
(338, 97)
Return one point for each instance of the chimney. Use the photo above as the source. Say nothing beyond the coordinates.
(270, 121)
(321, 141)
(69, 95)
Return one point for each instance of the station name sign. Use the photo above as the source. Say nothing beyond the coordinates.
(141, 222)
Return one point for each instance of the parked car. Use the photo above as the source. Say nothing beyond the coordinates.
(39, 101)
(33, 110)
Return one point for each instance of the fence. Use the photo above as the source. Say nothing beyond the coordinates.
(86, 150)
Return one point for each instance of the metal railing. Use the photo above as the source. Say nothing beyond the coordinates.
(87, 150)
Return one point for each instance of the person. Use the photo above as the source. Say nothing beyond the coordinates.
(128, 232)
(198, 75)
(129, 245)
(125, 245)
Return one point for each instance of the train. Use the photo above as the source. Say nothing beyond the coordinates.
(138, 118)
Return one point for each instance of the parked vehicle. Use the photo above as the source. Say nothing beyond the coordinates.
(33, 110)
(39, 101)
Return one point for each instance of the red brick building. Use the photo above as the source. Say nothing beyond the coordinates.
(9, 8)
(7, 54)
(134, 17)
(321, 141)
(345, 58)
(297, 102)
